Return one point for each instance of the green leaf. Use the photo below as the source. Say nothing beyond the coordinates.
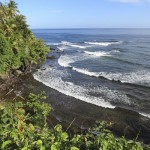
(5, 144)
(19, 104)
(64, 135)
(53, 147)
(42, 148)
(139, 146)
(74, 148)
(24, 148)
(21, 111)
(39, 142)
(31, 126)
(5, 120)
(105, 145)
(58, 128)
(14, 135)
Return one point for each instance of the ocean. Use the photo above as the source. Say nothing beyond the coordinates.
(106, 67)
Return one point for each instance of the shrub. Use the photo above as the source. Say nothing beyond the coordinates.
(5, 54)
(23, 126)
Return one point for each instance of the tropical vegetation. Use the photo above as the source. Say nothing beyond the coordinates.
(19, 48)
(24, 121)
(23, 126)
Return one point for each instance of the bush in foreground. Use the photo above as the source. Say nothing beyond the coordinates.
(23, 126)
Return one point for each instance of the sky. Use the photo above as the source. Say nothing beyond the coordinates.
(85, 13)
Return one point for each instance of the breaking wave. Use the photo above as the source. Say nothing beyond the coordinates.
(52, 78)
(139, 77)
(79, 46)
(65, 43)
(144, 114)
(86, 72)
(103, 43)
(66, 60)
(97, 53)
(61, 48)
(74, 45)
(49, 44)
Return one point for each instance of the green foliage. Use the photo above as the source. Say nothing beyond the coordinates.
(23, 126)
(5, 54)
(18, 46)
(23, 123)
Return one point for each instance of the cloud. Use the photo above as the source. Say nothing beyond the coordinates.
(131, 1)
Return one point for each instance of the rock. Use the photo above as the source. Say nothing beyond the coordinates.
(51, 48)
(50, 57)
(43, 68)
(58, 51)
(17, 72)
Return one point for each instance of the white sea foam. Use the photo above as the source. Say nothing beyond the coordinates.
(79, 46)
(103, 43)
(114, 51)
(66, 60)
(66, 43)
(97, 53)
(52, 78)
(62, 48)
(74, 45)
(145, 115)
(86, 71)
(139, 77)
(112, 95)
(47, 43)
(70, 83)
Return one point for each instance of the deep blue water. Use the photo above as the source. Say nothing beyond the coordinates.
(105, 67)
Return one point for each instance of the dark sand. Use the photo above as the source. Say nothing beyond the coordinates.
(66, 109)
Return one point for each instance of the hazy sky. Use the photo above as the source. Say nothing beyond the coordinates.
(86, 13)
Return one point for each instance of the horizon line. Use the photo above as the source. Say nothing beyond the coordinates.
(90, 28)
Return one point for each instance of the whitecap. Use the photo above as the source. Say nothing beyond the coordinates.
(86, 72)
(79, 46)
(65, 61)
(70, 83)
(61, 48)
(144, 114)
(139, 77)
(114, 51)
(49, 44)
(97, 53)
(52, 78)
(103, 43)
(66, 43)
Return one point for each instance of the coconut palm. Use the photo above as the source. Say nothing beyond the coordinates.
(24, 47)
(12, 8)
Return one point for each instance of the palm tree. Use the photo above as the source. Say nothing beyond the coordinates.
(12, 8)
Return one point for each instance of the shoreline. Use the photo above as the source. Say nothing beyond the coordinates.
(66, 109)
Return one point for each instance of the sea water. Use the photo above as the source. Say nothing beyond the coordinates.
(105, 67)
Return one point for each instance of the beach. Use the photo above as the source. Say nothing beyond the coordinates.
(79, 106)
(66, 109)
(87, 80)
